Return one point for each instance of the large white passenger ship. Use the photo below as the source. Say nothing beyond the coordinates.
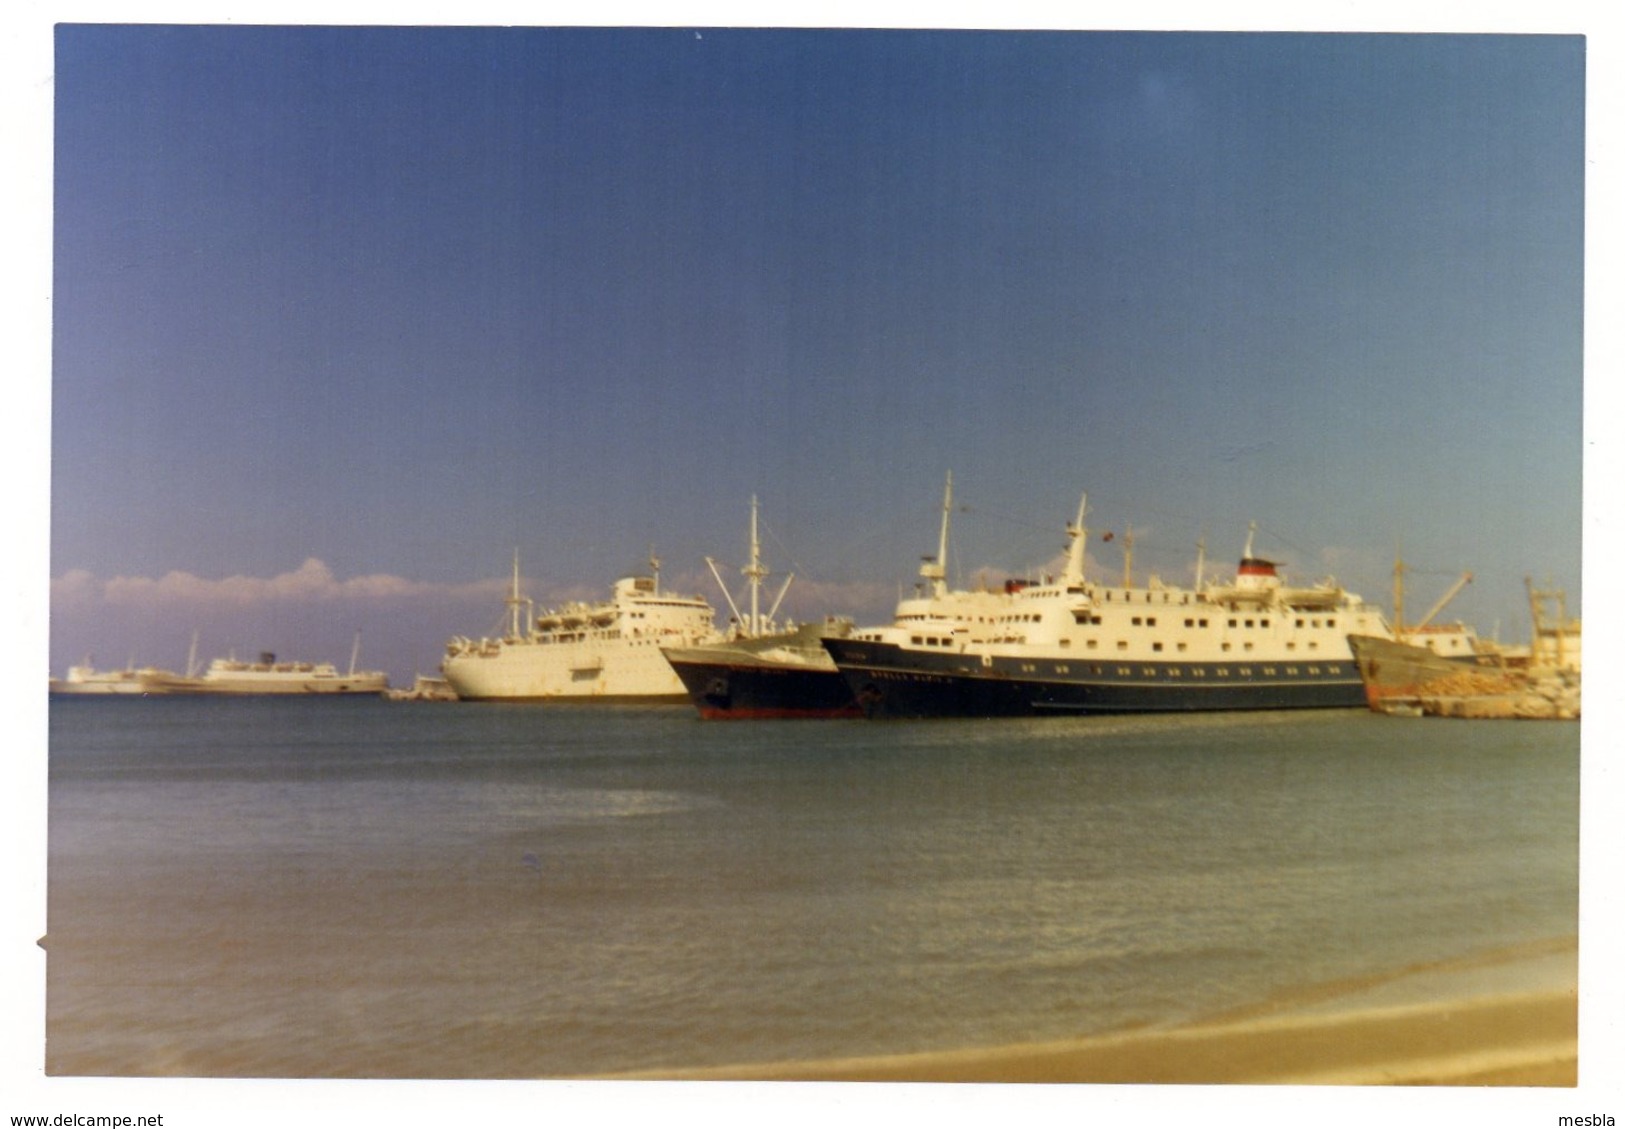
(1071, 645)
(606, 651)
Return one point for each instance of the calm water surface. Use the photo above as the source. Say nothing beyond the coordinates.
(301, 888)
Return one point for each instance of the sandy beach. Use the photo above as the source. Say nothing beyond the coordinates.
(1504, 1018)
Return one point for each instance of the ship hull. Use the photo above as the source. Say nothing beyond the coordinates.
(1391, 670)
(742, 687)
(128, 684)
(628, 672)
(255, 687)
(889, 681)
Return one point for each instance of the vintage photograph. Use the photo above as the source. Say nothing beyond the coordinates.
(664, 554)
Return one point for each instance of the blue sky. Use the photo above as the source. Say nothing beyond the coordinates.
(344, 316)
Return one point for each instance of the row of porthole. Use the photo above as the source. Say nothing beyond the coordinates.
(1196, 671)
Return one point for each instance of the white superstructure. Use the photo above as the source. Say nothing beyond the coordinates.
(606, 650)
(1068, 643)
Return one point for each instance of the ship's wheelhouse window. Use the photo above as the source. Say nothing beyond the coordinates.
(1314, 623)
(915, 639)
(1232, 623)
(1151, 621)
(1263, 623)
(1201, 623)
(1136, 621)
(1190, 623)
(1156, 646)
(1298, 622)
(1331, 623)
(1249, 623)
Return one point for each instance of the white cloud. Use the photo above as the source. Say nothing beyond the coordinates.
(313, 582)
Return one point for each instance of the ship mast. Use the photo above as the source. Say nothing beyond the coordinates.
(935, 569)
(1399, 593)
(755, 572)
(514, 602)
(1128, 556)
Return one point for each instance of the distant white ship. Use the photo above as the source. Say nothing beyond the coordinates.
(270, 676)
(228, 676)
(145, 680)
(606, 651)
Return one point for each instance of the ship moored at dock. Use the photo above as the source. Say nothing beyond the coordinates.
(763, 670)
(1412, 677)
(603, 652)
(1068, 644)
(270, 675)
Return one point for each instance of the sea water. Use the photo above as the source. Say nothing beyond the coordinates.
(352, 887)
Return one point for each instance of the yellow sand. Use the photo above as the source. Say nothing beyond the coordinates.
(1502, 1019)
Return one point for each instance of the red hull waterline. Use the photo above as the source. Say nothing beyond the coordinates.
(770, 713)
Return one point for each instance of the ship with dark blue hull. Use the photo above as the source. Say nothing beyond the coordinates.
(761, 669)
(887, 680)
(782, 675)
(1071, 645)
